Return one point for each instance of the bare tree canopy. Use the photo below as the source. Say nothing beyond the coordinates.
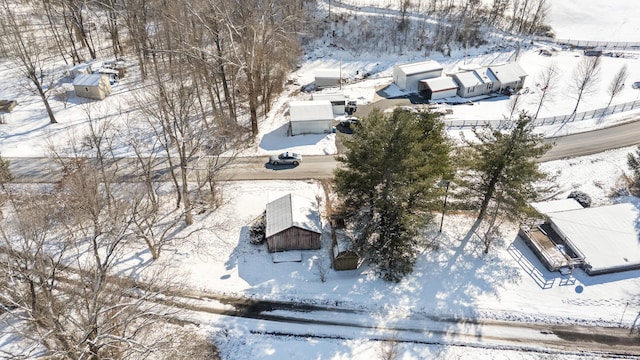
(617, 83)
(585, 78)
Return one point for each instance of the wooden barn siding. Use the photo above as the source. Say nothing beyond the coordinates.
(294, 238)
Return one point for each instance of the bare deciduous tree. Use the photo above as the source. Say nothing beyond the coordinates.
(30, 54)
(548, 80)
(585, 78)
(513, 106)
(617, 83)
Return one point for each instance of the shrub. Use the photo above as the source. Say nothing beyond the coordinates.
(581, 197)
(257, 232)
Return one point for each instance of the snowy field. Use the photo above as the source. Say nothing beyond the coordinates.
(455, 279)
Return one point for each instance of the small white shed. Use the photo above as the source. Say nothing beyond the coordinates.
(438, 88)
(310, 117)
(92, 86)
(327, 78)
(407, 76)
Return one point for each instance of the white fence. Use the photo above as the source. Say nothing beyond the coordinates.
(561, 119)
(600, 45)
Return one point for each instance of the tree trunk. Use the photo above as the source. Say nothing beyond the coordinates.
(43, 96)
(188, 216)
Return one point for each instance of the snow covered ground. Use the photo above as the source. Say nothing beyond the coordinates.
(455, 279)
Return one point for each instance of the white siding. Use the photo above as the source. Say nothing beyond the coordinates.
(407, 77)
(311, 127)
(311, 117)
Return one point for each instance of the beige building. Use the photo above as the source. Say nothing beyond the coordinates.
(92, 86)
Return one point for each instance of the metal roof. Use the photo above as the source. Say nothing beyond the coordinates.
(508, 73)
(292, 210)
(551, 206)
(87, 80)
(327, 73)
(310, 110)
(441, 83)
(420, 67)
(607, 236)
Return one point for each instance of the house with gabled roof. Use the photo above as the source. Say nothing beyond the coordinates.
(599, 240)
(510, 76)
(476, 82)
(293, 223)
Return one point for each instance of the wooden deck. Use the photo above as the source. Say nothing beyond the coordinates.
(544, 248)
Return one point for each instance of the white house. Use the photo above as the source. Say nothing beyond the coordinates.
(92, 86)
(310, 117)
(598, 239)
(438, 88)
(407, 76)
(327, 78)
(475, 82)
(509, 76)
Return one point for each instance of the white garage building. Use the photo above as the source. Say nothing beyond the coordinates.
(407, 76)
(325, 78)
(338, 100)
(310, 117)
(438, 88)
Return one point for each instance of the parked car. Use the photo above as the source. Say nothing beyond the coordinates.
(286, 158)
(347, 122)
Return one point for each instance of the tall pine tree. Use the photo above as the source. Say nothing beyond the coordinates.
(499, 170)
(633, 162)
(388, 185)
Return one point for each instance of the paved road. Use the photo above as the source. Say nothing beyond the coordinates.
(321, 167)
(593, 142)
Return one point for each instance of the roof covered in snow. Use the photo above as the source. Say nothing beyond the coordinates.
(419, 67)
(468, 79)
(607, 236)
(292, 210)
(441, 83)
(87, 80)
(310, 110)
(508, 73)
(547, 207)
(331, 96)
(327, 73)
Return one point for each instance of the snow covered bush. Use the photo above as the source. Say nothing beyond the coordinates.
(581, 197)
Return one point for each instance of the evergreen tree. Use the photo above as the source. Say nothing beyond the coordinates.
(5, 173)
(633, 162)
(388, 185)
(499, 171)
